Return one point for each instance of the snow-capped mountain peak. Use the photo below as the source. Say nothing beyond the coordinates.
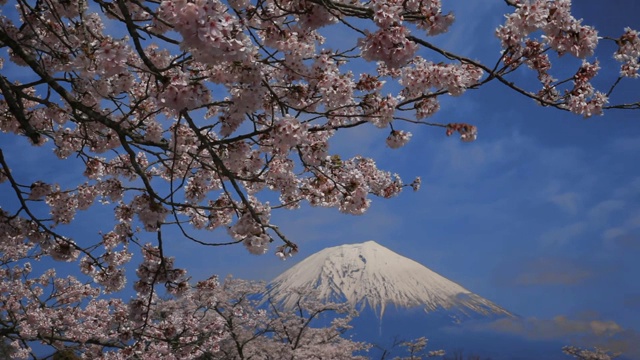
(369, 274)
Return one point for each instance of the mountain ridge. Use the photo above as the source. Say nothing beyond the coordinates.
(370, 275)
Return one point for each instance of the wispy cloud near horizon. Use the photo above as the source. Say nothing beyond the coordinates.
(587, 331)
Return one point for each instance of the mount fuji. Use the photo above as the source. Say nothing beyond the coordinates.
(398, 298)
(370, 276)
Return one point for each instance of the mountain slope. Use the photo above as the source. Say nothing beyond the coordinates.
(370, 275)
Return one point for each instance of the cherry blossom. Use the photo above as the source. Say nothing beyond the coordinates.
(628, 53)
(398, 138)
(177, 118)
(467, 132)
(584, 354)
(389, 45)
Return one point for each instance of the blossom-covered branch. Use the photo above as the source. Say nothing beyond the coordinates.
(191, 116)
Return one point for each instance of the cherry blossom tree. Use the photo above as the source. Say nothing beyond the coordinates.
(198, 115)
(214, 321)
(416, 350)
(256, 328)
(584, 354)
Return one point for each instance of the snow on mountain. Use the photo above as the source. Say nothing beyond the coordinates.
(369, 274)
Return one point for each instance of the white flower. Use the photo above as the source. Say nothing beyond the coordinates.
(398, 138)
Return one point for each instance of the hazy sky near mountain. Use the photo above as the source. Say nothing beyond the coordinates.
(540, 215)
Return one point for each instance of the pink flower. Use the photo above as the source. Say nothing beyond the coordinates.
(389, 45)
(398, 139)
(628, 53)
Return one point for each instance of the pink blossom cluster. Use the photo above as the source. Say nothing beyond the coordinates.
(113, 56)
(430, 16)
(423, 75)
(426, 107)
(380, 110)
(292, 334)
(200, 184)
(150, 212)
(628, 53)
(108, 268)
(208, 320)
(416, 183)
(387, 13)
(536, 59)
(287, 133)
(158, 269)
(70, 317)
(69, 9)
(313, 16)
(368, 82)
(355, 180)
(298, 42)
(583, 99)
(389, 45)
(561, 31)
(63, 206)
(219, 213)
(208, 30)
(586, 354)
(249, 227)
(398, 139)
(182, 94)
(336, 88)
(467, 132)
(283, 179)
(12, 235)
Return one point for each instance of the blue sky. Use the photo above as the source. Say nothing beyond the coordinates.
(540, 215)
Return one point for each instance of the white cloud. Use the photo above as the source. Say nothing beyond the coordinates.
(625, 145)
(604, 208)
(613, 233)
(558, 327)
(624, 235)
(587, 332)
(567, 201)
(562, 235)
(551, 271)
(630, 190)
